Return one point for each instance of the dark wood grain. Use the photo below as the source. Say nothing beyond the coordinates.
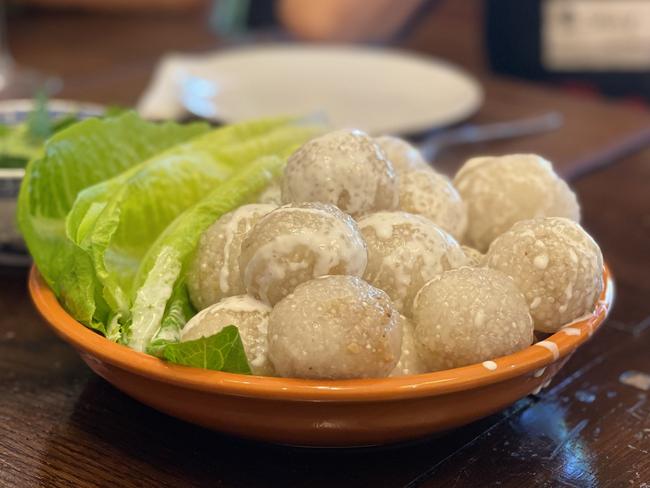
(62, 426)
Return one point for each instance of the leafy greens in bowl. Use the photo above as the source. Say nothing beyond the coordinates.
(111, 211)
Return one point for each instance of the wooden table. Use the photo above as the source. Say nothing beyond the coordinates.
(61, 426)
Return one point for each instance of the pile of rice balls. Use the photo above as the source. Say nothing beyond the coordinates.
(364, 262)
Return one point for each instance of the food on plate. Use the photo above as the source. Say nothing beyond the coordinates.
(470, 315)
(556, 264)
(214, 273)
(298, 242)
(19, 142)
(474, 258)
(345, 168)
(410, 361)
(251, 317)
(402, 155)
(170, 239)
(430, 194)
(404, 252)
(500, 191)
(335, 327)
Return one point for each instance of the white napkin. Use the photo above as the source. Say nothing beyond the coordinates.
(163, 97)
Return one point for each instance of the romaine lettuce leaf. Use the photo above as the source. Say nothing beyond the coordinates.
(124, 215)
(74, 158)
(166, 262)
(222, 351)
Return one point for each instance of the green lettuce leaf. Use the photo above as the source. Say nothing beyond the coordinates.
(165, 263)
(74, 158)
(223, 351)
(118, 219)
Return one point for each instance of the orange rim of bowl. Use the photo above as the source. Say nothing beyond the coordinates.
(533, 358)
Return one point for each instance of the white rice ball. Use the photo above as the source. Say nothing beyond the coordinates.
(345, 168)
(474, 258)
(402, 155)
(214, 272)
(297, 243)
(557, 266)
(335, 327)
(404, 252)
(430, 194)
(500, 191)
(409, 360)
(470, 315)
(250, 316)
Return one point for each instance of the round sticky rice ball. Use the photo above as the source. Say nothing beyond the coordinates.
(214, 272)
(404, 252)
(474, 258)
(470, 315)
(409, 361)
(557, 266)
(335, 327)
(251, 318)
(296, 243)
(500, 191)
(402, 155)
(430, 194)
(345, 168)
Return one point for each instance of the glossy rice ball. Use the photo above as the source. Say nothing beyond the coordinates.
(272, 195)
(474, 258)
(214, 272)
(402, 155)
(500, 191)
(404, 252)
(335, 327)
(430, 194)
(470, 315)
(345, 168)
(557, 266)
(409, 360)
(251, 318)
(297, 243)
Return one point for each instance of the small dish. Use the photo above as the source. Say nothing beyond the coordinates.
(12, 112)
(323, 413)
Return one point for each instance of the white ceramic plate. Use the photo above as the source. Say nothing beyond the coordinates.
(379, 90)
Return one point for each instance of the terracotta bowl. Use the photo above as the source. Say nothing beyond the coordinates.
(323, 413)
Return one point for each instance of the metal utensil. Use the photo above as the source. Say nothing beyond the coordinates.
(471, 134)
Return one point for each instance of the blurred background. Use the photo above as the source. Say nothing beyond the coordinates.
(567, 79)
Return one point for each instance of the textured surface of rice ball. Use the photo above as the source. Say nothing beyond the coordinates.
(430, 194)
(557, 266)
(500, 191)
(335, 327)
(404, 252)
(296, 243)
(409, 361)
(214, 272)
(272, 195)
(470, 315)
(251, 318)
(402, 155)
(345, 168)
(474, 258)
